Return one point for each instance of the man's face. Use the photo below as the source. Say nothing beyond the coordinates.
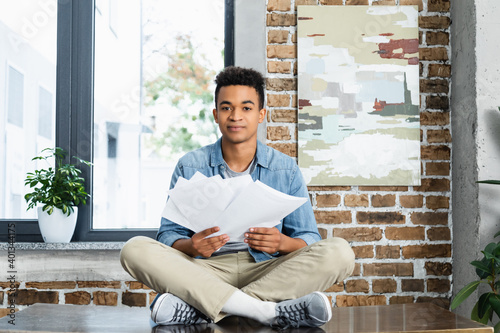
(238, 113)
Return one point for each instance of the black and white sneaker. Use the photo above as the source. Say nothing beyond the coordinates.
(171, 310)
(312, 310)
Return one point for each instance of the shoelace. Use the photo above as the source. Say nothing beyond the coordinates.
(292, 315)
(185, 314)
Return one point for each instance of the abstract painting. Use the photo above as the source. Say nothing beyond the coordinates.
(358, 92)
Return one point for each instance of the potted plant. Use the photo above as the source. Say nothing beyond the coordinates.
(56, 192)
(488, 271)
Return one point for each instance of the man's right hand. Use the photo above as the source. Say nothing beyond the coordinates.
(200, 244)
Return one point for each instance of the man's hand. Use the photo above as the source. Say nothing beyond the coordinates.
(271, 240)
(200, 244)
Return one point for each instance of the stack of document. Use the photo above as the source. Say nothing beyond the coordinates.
(234, 205)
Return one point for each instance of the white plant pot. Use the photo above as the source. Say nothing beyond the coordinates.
(57, 227)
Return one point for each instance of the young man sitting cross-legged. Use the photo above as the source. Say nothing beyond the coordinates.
(275, 275)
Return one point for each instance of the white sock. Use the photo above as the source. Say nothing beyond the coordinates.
(241, 304)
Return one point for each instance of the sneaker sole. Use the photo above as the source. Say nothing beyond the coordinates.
(159, 301)
(327, 303)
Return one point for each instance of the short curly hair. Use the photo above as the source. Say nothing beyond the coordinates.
(239, 76)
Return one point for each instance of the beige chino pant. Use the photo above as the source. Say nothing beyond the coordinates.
(207, 284)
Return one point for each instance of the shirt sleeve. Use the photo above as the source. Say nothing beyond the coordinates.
(169, 231)
(301, 223)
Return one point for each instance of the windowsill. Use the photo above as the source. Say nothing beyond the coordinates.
(65, 246)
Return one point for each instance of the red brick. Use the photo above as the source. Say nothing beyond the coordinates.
(412, 285)
(384, 286)
(436, 86)
(438, 5)
(437, 38)
(433, 185)
(360, 300)
(279, 5)
(358, 285)
(336, 288)
(437, 168)
(401, 300)
(440, 152)
(439, 136)
(286, 148)
(356, 200)
(282, 51)
(281, 84)
(437, 102)
(77, 297)
(364, 251)
(9, 285)
(277, 133)
(439, 70)
(412, 3)
(134, 299)
(99, 284)
(380, 218)
(329, 188)
(429, 218)
(323, 233)
(438, 285)
(281, 67)
(384, 188)
(283, 116)
(388, 269)
(359, 234)
(105, 298)
(433, 53)
(282, 100)
(384, 3)
(305, 3)
(277, 36)
(333, 217)
(434, 118)
(438, 268)
(328, 200)
(437, 234)
(405, 233)
(52, 285)
(437, 202)
(356, 2)
(434, 22)
(331, 2)
(411, 201)
(379, 200)
(388, 251)
(276, 20)
(427, 251)
(31, 296)
(135, 285)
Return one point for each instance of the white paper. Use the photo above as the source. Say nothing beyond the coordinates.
(234, 205)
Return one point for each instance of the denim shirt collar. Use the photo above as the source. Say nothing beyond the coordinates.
(216, 158)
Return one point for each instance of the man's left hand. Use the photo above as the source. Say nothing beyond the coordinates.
(264, 239)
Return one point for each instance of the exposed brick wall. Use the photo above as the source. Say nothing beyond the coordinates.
(92, 293)
(401, 235)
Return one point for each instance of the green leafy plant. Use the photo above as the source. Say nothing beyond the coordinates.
(488, 271)
(56, 187)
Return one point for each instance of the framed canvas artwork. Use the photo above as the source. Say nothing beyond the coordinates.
(358, 92)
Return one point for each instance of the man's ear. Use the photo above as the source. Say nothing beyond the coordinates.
(262, 115)
(215, 115)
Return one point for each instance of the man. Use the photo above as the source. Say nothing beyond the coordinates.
(272, 276)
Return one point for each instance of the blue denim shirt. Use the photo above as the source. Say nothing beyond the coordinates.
(273, 168)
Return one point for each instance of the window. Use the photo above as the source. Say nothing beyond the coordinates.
(27, 75)
(90, 121)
